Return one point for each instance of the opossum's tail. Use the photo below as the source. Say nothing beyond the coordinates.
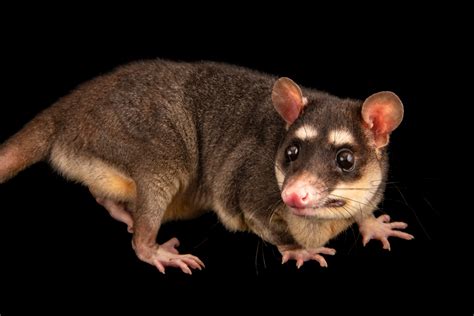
(30, 145)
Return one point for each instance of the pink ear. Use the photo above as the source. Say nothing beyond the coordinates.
(382, 112)
(287, 99)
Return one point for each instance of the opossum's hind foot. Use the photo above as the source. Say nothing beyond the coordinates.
(303, 255)
(166, 255)
(118, 211)
(380, 228)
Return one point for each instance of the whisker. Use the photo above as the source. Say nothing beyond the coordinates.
(206, 239)
(263, 254)
(354, 234)
(345, 208)
(344, 197)
(392, 182)
(275, 207)
(351, 188)
(256, 257)
(413, 211)
(431, 206)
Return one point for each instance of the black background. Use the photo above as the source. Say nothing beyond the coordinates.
(58, 245)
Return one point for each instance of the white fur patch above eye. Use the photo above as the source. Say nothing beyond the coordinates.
(340, 137)
(306, 132)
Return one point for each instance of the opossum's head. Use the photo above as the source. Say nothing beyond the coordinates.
(332, 161)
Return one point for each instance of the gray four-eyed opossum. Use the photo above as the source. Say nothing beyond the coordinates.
(158, 140)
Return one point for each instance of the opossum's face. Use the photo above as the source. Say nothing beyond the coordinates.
(331, 163)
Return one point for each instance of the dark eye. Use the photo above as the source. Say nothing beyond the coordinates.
(292, 152)
(345, 159)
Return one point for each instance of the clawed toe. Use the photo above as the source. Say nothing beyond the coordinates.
(166, 255)
(303, 255)
(380, 229)
(321, 260)
(184, 262)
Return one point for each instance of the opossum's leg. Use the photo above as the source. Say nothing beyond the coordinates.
(380, 228)
(118, 211)
(302, 255)
(153, 197)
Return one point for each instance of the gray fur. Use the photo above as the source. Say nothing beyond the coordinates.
(206, 132)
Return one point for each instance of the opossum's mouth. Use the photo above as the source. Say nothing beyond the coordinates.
(313, 210)
(334, 203)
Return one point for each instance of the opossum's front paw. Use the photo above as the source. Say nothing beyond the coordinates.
(380, 228)
(303, 255)
(166, 255)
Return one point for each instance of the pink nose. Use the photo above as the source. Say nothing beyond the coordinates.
(297, 198)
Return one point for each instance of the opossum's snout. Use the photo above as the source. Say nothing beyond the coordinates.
(305, 195)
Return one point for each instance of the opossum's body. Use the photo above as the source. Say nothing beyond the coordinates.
(160, 140)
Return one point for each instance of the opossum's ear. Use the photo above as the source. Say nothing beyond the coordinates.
(382, 112)
(288, 99)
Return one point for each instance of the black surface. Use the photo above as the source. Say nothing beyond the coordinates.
(55, 240)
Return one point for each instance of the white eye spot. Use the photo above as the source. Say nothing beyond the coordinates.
(305, 101)
(306, 132)
(340, 137)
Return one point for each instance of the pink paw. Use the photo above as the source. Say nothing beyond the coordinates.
(380, 228)
(166, 255)
(303, 255)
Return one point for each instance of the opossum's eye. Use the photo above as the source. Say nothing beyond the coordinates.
(345, 159)
(292, 152)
